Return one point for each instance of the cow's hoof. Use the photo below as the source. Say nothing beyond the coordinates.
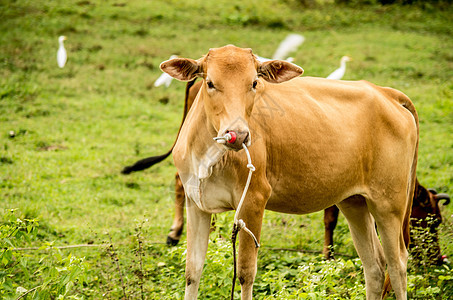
(171, 241)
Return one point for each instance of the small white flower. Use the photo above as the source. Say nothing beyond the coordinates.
(21, 290)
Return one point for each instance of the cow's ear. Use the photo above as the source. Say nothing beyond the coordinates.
(184, 69)
(277, 71)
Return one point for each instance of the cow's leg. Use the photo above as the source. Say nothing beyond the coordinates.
(198, 225)
(252, 213)
(178, 221)
(330, 222)
(390, 227)
(363, 232)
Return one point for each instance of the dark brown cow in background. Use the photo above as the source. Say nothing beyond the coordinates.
(425, 215)
(425, 204)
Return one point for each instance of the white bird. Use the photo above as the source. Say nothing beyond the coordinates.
(61, 54)
(164, 78)
(288, 45)
(262, 59)
(339, 73)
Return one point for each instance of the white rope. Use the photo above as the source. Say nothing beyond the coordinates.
(239, 222)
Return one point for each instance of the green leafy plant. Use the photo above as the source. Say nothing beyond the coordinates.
(51, 274)
(428, 280)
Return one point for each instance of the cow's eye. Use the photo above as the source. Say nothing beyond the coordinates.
(210, 85)
(254, 84)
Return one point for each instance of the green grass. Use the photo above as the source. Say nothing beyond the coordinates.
(75, 128)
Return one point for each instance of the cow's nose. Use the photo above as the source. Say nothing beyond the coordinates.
(238, 138)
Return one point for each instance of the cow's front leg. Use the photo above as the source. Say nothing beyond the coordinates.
(198, 225)
(252, 215)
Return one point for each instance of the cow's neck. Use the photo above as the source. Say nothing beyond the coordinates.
(204, 151)
(196, 153)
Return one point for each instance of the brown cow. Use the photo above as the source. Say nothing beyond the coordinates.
(425, 202)
(334, 142)
(425, 206)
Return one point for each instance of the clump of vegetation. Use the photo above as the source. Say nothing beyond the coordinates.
(47, 273)
(427, 279)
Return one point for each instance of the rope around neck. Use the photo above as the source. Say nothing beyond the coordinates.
(239, 223)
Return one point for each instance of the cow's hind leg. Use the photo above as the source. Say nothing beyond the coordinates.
(330, 222)
(362, 227)
(394, 236)
(178, 221)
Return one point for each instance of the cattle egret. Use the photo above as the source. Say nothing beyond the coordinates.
(164, 78)
(339, 73)
(288, 45)
(262, 59)
(61, 54)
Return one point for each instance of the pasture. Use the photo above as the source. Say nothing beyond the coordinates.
(65, 135)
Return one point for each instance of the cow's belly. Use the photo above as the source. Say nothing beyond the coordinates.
(313, 187)
(297, 203)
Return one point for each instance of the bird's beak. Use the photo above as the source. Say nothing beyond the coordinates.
(64, 38)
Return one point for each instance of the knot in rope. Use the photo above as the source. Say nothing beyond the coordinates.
(240, 224)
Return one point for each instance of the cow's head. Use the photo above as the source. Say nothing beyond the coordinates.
(231, 80)
(426, 215)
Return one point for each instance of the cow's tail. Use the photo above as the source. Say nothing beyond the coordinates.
(151, 161)
(406, 103)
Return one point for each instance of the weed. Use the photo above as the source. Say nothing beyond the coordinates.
(40, 276)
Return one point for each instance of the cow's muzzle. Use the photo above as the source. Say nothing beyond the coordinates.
(234, 139)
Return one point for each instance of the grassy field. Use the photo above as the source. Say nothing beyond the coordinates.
(66, 133)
